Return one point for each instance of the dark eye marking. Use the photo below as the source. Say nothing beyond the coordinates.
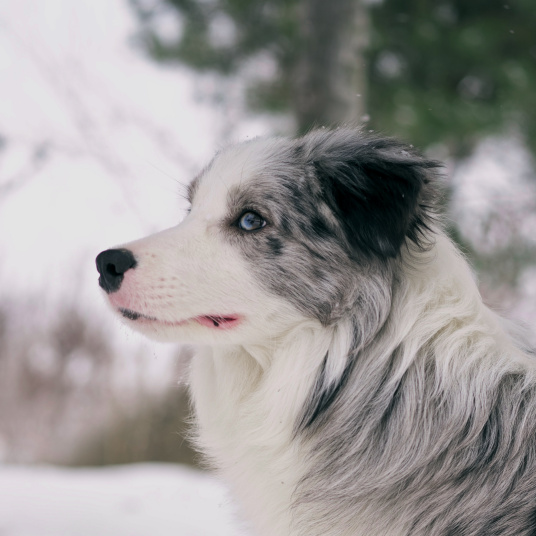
(251, 221)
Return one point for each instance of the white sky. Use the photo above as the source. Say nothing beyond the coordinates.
(68, 79)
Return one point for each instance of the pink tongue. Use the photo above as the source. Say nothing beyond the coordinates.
(221, 322)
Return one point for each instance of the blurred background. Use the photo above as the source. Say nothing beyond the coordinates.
(109, 107)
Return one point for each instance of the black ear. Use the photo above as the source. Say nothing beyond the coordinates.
(379, 188)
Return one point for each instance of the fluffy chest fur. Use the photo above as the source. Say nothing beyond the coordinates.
(247, 414)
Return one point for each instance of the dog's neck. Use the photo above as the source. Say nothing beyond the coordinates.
(268, 383)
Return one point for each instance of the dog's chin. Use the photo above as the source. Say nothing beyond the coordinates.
(191, 330)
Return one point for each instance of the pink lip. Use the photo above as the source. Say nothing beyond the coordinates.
(209, 321)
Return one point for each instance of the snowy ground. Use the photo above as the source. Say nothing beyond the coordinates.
(135, 500)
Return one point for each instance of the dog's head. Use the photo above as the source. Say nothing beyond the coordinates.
(279, 231)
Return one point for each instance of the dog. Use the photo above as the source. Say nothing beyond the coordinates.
(349, 380)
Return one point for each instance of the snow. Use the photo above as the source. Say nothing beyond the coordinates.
(494, 194)
(135, 500)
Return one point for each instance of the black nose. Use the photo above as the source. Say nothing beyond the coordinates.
(112, 264)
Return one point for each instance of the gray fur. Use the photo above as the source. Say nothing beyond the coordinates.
(448, 461)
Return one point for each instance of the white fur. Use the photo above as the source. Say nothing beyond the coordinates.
(250, 384)
(247, 398)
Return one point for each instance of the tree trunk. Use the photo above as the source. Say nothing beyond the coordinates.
(329, 82)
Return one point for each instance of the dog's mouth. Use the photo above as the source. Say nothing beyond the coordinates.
(210, 321)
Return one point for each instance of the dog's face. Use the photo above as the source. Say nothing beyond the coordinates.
(279, 231)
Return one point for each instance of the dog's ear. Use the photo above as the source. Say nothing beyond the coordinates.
(379, 188)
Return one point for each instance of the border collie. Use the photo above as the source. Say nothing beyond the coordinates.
(349, 380)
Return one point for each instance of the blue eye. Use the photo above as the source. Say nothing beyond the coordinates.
(251, 221)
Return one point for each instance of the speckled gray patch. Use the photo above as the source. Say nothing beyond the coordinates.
(339, 207)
